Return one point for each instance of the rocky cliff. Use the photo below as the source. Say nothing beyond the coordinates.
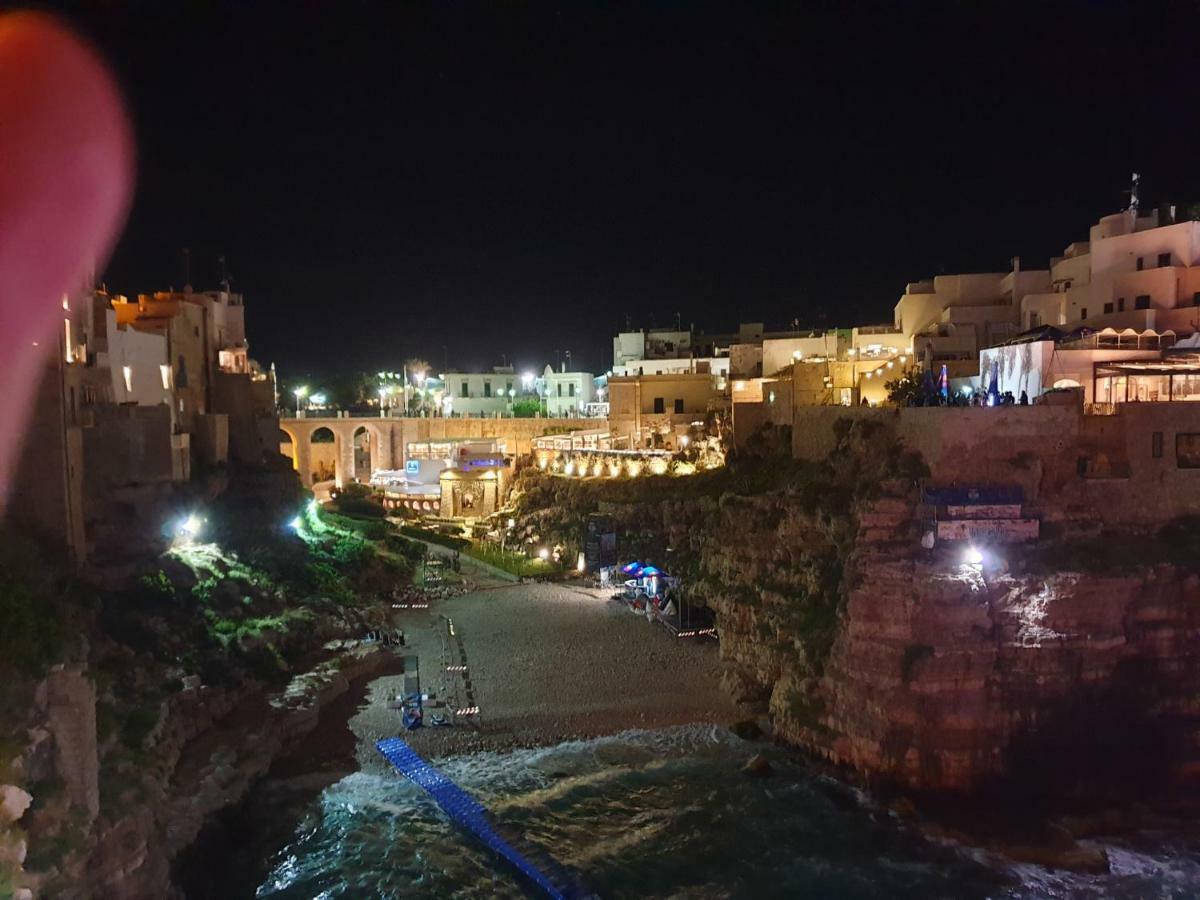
(1029, 675)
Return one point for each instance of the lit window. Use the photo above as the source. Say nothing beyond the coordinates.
(70, 352)
(165, 371)
(127, 371)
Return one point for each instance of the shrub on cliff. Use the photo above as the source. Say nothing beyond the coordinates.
(37, 606)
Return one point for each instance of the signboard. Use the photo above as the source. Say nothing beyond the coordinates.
(599, 542)
(412, 467)
(1004, 530)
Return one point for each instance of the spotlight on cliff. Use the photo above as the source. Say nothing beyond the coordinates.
(295, 524)
(973, 556)
(188, 529)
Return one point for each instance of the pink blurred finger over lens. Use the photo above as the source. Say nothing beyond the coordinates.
(65, 186)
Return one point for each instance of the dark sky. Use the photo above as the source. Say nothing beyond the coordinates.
(516, 178)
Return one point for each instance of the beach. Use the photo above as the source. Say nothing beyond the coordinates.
(546, 662)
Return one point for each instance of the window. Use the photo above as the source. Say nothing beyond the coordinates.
(560, 389)
(679, 404)
(659, 405)
(487, 389)
(1108, 307)
(1196, 299)
(1141, 301)
(1156, 444)
(571, 389)
(1164, 260)
(508, 387)
(1083, 313)
(464, 390)
(1187, 451)
(1140, 264)
(1120, 304)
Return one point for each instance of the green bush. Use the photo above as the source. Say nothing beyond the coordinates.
(514, 563)
(434, 537)
(359, 506)
(33, 634)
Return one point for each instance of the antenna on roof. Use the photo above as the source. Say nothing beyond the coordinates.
(1133, 193)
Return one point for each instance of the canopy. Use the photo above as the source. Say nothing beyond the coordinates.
(650, 571)
(631, 568)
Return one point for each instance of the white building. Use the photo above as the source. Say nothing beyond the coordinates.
(1135, 271)
(141, 370)
(480, 393)
(950, 318)
(567, 393)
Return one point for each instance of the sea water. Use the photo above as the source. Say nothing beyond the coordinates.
(668, 814)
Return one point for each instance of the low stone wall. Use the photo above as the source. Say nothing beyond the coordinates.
(1068, 464)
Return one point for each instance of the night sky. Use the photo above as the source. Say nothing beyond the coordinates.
(517, 178)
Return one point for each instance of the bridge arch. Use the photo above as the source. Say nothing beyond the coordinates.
(325, 447)
(369, 450)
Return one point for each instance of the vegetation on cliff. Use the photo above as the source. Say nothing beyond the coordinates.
(249, 601)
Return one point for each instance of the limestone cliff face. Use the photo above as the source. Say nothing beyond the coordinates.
(945, 676)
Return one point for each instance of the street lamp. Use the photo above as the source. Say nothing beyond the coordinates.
(527, 381)
(382, 396)
(299, 392)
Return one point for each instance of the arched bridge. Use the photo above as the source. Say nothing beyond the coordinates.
(353, 448)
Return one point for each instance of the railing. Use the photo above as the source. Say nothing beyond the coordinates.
(1101, 409)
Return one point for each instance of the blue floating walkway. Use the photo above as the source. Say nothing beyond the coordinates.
(465, 810)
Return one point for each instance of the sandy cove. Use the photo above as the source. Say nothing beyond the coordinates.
(547, 663)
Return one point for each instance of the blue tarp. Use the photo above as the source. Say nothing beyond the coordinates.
(466, 811)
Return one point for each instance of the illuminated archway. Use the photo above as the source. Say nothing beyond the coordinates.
(287, 446)
(324, 448)
(362, 442)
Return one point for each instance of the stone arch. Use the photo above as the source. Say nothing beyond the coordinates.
(289, 443)
(324, 452)
(363, 442)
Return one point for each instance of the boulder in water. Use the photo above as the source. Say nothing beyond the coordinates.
(757, 766)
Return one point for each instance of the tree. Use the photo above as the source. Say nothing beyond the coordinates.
(910, 390)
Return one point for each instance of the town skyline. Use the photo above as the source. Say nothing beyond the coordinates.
(758, 175)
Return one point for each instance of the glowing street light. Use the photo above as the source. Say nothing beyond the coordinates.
(527, 380)
(295, 524)
(299, 392)
(973, 556)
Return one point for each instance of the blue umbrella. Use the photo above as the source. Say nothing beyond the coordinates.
(650, 571)
(631, 568)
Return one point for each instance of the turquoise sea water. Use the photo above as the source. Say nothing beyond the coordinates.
(667, 814)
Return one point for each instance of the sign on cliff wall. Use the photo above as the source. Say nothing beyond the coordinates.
(1006, 530)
